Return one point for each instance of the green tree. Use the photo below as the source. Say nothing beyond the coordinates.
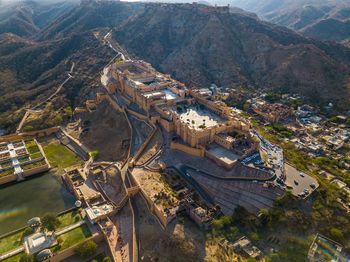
(50, 222)
(56, 120)
(94, 154)
(86, 249)
(68, 111)
(28, 231)
(106, 259)
(26, 258)
(337, 234)
(28, 128)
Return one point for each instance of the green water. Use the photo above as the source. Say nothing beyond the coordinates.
(32, 197)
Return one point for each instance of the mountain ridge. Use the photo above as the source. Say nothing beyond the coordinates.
(257, 54)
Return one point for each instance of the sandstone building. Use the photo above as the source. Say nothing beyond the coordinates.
(192, 114)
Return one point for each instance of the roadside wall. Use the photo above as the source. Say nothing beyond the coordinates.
(138, 115)
(114, 104)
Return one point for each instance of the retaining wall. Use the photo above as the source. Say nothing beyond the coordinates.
(31, 134)
(164, 220)
(7, 179)
(35, 170)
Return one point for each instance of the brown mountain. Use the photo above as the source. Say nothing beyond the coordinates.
(327, 20)
(26, 18)
(201, 45)
(197, 44)
(31, 71)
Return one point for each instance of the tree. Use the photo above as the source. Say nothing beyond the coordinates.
(26, 258)
(106, 259)
(28, 231)
(337, 234)
(28, 128)
(50, 222)
(86, 249)
(94, 154)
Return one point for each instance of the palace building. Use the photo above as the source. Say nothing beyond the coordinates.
(192, 114)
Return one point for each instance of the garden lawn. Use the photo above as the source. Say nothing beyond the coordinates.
(69, 218)
(32, 147)
(60, 156)
(72, 238)
(11, 242)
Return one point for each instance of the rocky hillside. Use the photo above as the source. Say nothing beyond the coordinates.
(31, 71)
(322, 19)
(26, 18)
(89, 16)
(199, 45)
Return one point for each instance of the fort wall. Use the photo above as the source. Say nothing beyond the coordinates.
(30, 134)
(187, 149)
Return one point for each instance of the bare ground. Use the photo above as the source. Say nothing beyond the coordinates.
(152, 148)
(181, 241)
(107, 131)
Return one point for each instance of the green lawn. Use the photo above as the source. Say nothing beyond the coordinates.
(69, 218)
(11, 242)
(32, 147)
(72, 237)
(14, 258)
(33, 165)
(36, 155)
(60, 156)
(6, 172)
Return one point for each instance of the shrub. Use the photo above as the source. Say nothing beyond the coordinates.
(50, 222)
(94, 154)
(337, 234)
(86, 249)
(26, 258)
(28, 128)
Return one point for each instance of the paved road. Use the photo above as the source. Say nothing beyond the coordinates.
(292, 174)
(11, 253)
(70, 227)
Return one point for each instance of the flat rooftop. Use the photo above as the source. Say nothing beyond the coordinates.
(198, 117)
(223, 154)
(169, 95)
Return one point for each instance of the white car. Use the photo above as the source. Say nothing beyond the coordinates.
(302, 174)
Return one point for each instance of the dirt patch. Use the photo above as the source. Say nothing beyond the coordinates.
(152, 148)
(181, 241)
(156, 244)
(107, 131)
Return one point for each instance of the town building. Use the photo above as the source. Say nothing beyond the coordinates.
(273, 113)
(325, 249)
